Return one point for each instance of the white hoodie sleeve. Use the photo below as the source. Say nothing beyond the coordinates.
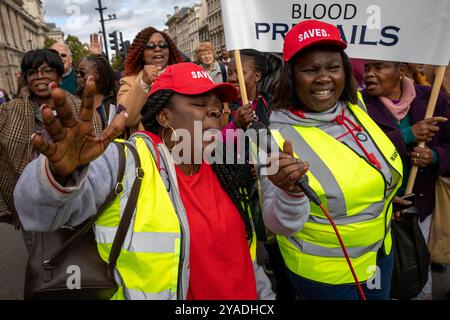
(283, 213)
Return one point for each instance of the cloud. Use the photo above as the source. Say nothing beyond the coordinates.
(79, 17)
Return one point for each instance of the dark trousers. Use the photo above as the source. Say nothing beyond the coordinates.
(312, 290)
(283, 287)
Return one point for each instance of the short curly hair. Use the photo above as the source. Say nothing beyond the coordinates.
(134, 61)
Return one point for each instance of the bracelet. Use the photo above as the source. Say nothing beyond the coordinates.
(144, 86)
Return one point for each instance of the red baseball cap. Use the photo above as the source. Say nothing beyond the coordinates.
(309, 33)
(191, 79)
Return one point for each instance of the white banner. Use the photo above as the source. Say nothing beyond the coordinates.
(414, 31)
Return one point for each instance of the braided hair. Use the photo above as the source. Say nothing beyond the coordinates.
(105, 84)
(259, 61)
(134, 61)
(236, 179)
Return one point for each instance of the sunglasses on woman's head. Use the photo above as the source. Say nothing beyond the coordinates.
(152, 46)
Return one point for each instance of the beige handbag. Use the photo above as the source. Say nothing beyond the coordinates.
(439, 243)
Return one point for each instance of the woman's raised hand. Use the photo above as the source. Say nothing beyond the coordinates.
(425, 130)
(244, 116)
(95, 44)
(150, 73)
(73, 141)
(290, 170)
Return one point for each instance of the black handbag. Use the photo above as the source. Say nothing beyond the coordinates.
(56, 255)
(411, 258)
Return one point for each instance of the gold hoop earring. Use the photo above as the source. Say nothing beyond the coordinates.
(168, 126)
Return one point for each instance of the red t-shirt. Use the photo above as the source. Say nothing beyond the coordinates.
(220, 262)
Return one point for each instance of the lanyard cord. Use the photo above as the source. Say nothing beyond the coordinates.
(341, 121)
(265, 104)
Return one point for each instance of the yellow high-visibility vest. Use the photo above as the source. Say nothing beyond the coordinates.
(154, 259)
(353, 191)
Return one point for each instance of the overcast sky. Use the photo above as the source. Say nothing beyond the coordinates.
(79, 17)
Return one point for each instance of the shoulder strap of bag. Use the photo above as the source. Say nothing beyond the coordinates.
(128, 211)
(59, 255)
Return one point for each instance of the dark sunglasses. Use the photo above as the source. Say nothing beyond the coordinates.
(152, 46)
(80, 72)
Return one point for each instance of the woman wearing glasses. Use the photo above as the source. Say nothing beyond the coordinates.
(150, 53)
(20, 117)
(98, 66)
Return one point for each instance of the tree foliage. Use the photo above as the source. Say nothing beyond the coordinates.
(48, 42)
(79, 50)
(118, 62)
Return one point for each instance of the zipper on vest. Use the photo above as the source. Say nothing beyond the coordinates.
(180, 263)
(175, 203)
(182, 240)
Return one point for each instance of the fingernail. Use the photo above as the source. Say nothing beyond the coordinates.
(42, 107)
(90, 78)
(125, 114)
(36, 133)
(53, 85)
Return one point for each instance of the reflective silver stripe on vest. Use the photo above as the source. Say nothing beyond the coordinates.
(335, 196)
(320, 251)
(157, 242)
(140, 295)
(168, 163)
(389, 225)
(371, 212)
(131, 294)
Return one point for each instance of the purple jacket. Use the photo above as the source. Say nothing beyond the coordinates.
(426, 177)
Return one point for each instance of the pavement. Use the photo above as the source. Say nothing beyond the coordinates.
(13, 257)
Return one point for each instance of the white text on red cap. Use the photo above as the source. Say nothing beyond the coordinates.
(200, 74)
(312, 33)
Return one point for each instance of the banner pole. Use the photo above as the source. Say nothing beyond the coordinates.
(226, 113)
(240, 72)
(430, 111)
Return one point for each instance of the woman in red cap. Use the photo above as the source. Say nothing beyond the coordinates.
(350, 164)
(191, 236)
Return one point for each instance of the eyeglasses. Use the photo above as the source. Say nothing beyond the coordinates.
(63, 55)
(46, 71)
(152, 46)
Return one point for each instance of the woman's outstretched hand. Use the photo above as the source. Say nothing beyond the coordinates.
(73, 141)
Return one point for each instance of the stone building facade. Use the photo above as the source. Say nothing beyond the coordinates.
(55, 33)
(189, 26)
(215, 24)
(22, 28)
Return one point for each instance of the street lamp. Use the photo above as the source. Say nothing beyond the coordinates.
(100, 9)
